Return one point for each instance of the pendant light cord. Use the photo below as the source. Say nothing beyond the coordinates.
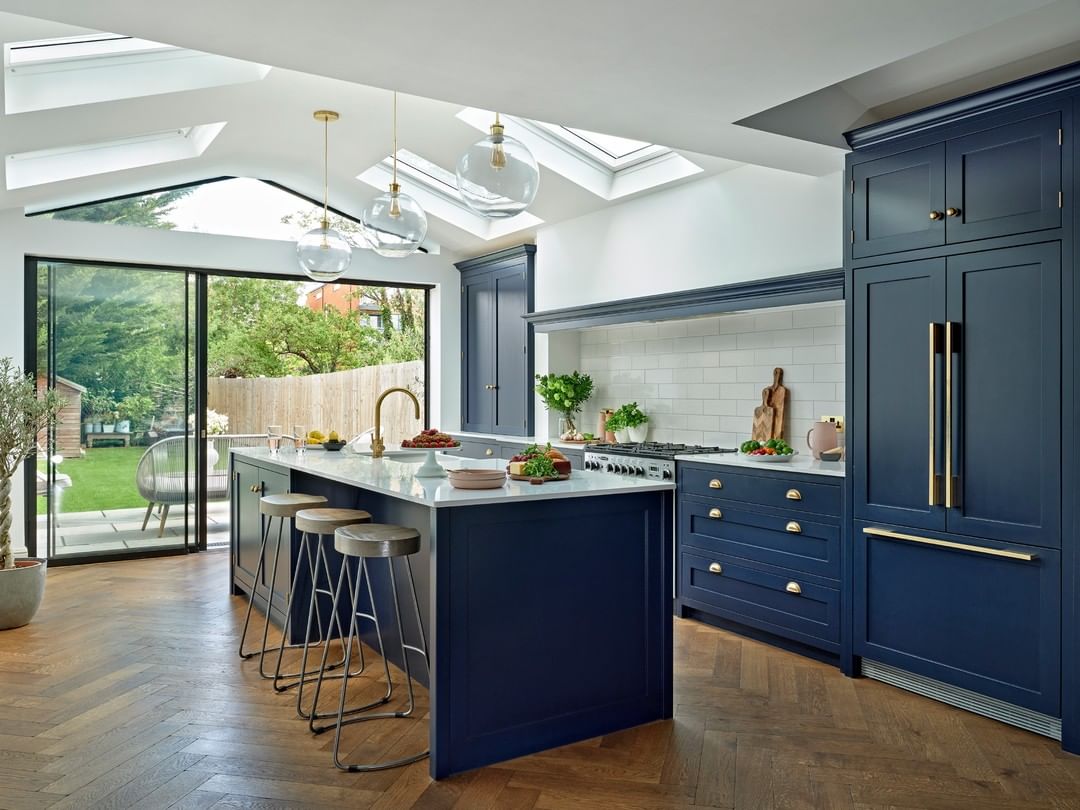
(326, 173)
(395, 137)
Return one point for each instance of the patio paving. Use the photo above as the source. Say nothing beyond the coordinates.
(121, 530)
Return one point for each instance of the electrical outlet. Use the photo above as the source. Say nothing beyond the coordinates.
(836, 420)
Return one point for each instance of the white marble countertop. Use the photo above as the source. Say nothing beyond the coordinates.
(801, 463)
(398, 478)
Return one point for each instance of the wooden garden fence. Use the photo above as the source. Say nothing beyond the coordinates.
(343, 401)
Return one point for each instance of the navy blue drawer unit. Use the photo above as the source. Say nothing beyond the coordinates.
(796, 492)
(807, 544)
(775, 600)
(759, 551)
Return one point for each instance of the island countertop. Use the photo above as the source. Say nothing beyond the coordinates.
(398, 478)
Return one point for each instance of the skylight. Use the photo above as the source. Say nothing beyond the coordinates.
(435, 188)
(65, 71)
(609, 166)
(83, 160)
(614, 146)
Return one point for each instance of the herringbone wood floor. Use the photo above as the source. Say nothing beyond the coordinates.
(126, 692)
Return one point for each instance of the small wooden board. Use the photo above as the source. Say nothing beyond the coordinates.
(764, 418)
(778, 401)
(531, 478)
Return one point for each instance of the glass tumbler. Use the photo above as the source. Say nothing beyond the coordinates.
(273, 438)
(299, 433)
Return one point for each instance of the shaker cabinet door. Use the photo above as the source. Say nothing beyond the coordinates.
(478, 347)
(1004, 180)
(513, 389)
(896, 432)
(898, 202)
(1005, 307)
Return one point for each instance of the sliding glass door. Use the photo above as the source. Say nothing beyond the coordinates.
(117, 476)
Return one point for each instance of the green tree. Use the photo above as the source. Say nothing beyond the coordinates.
(148, 210)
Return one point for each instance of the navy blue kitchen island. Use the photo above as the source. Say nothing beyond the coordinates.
(548, 609)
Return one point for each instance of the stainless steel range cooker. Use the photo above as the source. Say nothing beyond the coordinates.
(645, 459)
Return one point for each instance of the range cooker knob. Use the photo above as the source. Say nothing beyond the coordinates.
(611, 468)
(667, 473)
(639, 470)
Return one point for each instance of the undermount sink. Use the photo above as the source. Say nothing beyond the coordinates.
(398, 454)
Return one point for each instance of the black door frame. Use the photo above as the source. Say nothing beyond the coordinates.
(201, 277)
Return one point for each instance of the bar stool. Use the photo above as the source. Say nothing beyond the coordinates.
(314, 525)
(281, 506)
(369, 542)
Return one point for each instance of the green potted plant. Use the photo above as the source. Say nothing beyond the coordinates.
(565, 394)
(23, 416)
(631, 423)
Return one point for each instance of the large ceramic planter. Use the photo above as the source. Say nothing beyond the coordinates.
(21, 591)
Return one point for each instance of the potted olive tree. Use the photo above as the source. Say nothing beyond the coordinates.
(23, 416)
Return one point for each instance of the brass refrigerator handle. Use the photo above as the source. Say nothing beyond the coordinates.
(932, 395)
(950, 494)
(930, 541)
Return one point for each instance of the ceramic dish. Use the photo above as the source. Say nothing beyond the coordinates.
(333, 445)
(476, 479)
(769, 459)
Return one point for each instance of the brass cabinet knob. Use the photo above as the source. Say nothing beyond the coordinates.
(793, 495)
(793, 527)
(793, 587)
(935, 215)
(716, 483)
(489, 452)
(715, 514)
(716, 568)
(952, 212)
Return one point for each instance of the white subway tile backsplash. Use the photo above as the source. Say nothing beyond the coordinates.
(700, 379)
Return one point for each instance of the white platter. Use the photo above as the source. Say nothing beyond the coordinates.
(769, 459)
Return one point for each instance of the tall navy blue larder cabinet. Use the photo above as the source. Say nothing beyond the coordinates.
(963, 552)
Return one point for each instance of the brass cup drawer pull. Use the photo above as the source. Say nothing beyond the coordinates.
(716, 483)
(716, 568)
(793, 527)
(793, 587)
(715, 514)
(793, 495)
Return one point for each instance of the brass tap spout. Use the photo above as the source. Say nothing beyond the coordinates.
(377, 443)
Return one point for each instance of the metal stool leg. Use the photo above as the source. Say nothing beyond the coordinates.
(251, 597)
(270, 602)
(405, 650)
(279, 676)
(341, 711)
(321, 557)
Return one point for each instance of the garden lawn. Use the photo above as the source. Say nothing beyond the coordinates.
(102, 479)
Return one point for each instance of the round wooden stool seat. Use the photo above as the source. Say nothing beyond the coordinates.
(326, 521)
(287, 504)
(377, 540)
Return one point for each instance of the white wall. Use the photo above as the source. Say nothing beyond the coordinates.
(699, 380)
(745, 224)
(21, 236)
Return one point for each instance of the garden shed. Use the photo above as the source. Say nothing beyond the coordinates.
(69, 423)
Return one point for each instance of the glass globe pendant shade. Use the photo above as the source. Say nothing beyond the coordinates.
(498, 177)
(394, 223)
(323, 253)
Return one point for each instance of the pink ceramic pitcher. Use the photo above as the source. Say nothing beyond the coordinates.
(822, 436)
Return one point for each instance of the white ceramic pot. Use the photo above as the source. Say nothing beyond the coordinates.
(622, 435)
(123, 426)
(21, 592)
(639, 432)
(108, 428)
(212, 455)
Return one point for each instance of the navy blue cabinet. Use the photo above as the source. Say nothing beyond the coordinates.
(759, 551)
(250, 483)
(496, 342)
(982, 615)
(949, 353)
(990, 182)
(1004, 308)
(963, 562)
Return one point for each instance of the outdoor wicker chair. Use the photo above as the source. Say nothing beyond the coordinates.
(165, 475)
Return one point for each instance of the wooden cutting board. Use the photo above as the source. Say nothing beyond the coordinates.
(778, 400)
(764, 418)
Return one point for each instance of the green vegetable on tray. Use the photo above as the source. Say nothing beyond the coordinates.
(773, 447)
(540, 467)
